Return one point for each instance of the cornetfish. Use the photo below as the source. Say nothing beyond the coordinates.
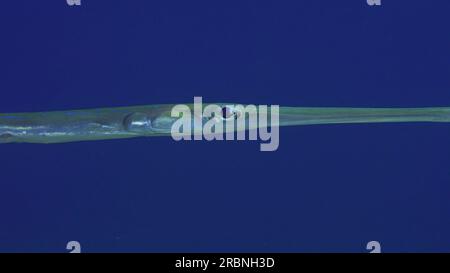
(157, 120)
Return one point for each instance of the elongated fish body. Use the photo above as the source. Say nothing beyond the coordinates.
(332, 115)
(86, 124)
(156, 120)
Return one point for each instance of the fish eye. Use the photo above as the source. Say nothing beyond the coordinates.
(228, 113)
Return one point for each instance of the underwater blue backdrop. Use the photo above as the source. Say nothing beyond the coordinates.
(327, 188)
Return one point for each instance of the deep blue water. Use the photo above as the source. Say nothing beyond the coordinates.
(327, 188)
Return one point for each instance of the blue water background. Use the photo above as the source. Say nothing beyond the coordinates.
(327, 188)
